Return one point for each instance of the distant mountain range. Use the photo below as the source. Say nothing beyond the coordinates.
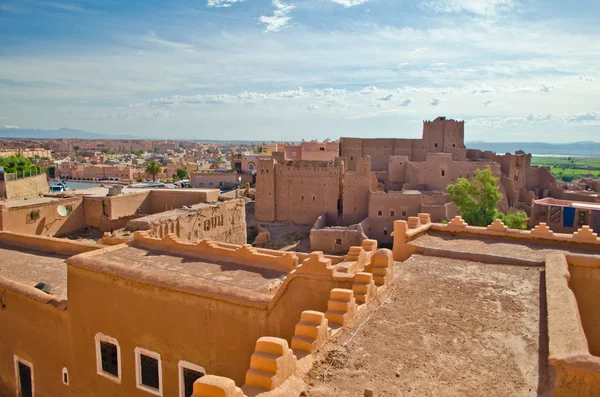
(540, 148)
(536, 148)
(31, 133)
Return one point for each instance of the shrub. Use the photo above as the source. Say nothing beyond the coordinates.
(514, 220)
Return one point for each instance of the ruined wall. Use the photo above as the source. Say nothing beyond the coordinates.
(43, 218)
(223, 222)
(28, 187)
(335, 240)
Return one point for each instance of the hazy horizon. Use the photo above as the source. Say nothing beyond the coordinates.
(514, 70)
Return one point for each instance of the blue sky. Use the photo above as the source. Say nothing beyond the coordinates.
(514, 70)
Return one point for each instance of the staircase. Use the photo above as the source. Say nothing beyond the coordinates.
(340, 308)
(363, 287)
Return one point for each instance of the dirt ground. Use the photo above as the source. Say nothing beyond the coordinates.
(449, 328)
(284, 236)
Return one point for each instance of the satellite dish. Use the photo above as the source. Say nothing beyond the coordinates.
(62, 210)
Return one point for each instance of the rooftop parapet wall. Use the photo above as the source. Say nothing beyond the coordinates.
(50, 245)
(244, 255)
(577, 371)
(403, 234)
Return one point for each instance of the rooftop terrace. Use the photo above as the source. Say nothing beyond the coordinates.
(29, 267)
(449, 328)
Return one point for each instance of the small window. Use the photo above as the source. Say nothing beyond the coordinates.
(24, 374)
(148, 371)
(436, 145)
(379, 213)
(351, 157)
(293, 154)
(322, 149)
(188, 374)
(454, 145)
(65, 376)
(338, 241)
(385, 231)
(250, 166)
(314, 198)
(443, 172)
(403, 213)
(108, 357)
(392, 213)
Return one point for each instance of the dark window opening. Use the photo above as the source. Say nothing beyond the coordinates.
(443, 172)
(314, 198)
(436, 145)
(25, 381)
(322, 149)
(338, 241)
(65, 377)
(454, 145)
(403, 213)
(110, 359)
(149, 371)
(384, 231)
(351, 158)
(392, 213)
(189, 377)
(379, 213)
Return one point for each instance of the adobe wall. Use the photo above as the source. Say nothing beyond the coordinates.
(297, 191)
(50, 223)
(577, 372)
(335, 240)
(168, 199)
(27, 187)
(355, 192)
(392, 206)
(585, 283)
(214, 179)
(225, 222)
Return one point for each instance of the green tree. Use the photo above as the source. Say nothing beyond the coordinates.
(219, 160)
(258, 149)
(514, 220)
(153, 168)
(476, 199)
(156, 149)
(182, 173)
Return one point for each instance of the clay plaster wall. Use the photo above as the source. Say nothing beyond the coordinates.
(585, 283)
(225, 222)
(335, 240)
(577, 372)
(49, 222)
(28, 187)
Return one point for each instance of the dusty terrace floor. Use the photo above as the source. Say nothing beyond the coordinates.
(451, 328)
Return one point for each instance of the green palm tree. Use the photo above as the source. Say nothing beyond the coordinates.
(153, 168)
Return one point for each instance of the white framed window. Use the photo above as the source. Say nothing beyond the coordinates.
(188, 374)
(24, 377)
(65, 376)
(148, 371)
(293, 154)
(108, 357)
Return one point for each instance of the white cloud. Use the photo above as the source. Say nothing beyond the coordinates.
(222, 3)
(350, 3)
(479, 7)
(368, 90)
(582, 77)
(155, 39)
(279, 19)
(546, 88)
(435, 102)
(405, 103)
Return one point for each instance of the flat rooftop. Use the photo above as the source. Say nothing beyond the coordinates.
(509, 247)
(448, 328)
(30, 267)
(257, 279)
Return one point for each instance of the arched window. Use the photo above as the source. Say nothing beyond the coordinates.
(251, 166)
